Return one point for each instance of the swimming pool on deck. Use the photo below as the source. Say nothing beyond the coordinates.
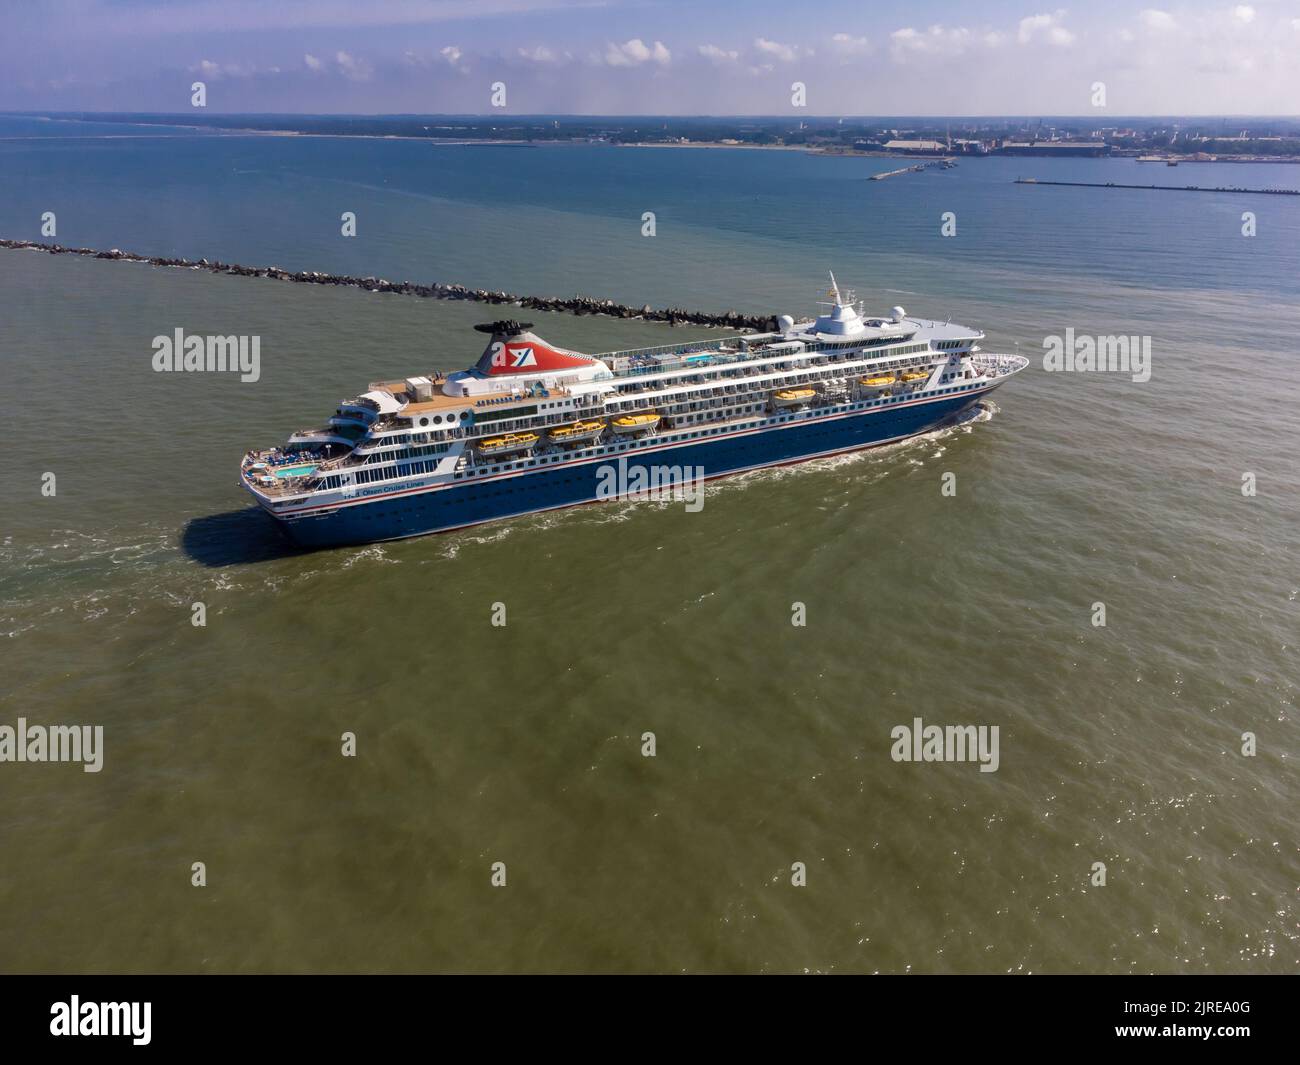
(296, 471)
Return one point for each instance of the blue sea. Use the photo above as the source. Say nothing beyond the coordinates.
(1172, 501)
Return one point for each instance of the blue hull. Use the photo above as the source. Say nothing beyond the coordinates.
(397, 515)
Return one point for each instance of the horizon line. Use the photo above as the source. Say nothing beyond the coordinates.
(660, 115)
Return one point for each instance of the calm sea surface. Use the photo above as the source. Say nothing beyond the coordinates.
(522, 744)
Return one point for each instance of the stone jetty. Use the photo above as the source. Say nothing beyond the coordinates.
(563, 305)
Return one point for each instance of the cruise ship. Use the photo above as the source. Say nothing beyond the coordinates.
(534, 427)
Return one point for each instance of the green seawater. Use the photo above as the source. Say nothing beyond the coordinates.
(522, 744)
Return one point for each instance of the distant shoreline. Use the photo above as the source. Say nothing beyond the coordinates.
(824, 149)
(458, 142)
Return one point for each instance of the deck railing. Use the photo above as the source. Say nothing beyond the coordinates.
(999, 364)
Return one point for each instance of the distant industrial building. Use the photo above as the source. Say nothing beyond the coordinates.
(955, 146)
(1058, 148)
(914, 146)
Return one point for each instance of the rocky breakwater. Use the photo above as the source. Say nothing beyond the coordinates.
(562, 305)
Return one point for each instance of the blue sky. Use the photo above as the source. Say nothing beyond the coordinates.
(653, 56)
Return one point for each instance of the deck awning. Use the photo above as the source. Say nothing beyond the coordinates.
(384, 401)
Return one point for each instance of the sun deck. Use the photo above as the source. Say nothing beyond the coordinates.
(441, 402)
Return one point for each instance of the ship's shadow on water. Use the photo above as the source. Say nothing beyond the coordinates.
(236, 537)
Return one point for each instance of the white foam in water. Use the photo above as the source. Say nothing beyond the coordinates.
(370, 553)
(982, 412)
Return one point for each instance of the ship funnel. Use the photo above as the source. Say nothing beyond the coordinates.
(506, 327)
(515, 349)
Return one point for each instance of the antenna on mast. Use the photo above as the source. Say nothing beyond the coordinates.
(839, 298)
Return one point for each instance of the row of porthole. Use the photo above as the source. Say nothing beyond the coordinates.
(821, 432)
(642, 443)
(424, 420)
(505, 490)
(488, 470)
(692, 435)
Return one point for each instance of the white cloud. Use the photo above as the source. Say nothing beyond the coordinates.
(786, 53)
(540, 54)
(1157, 20)
(635, 52)
(450, 54)
(352, 68)
(937, 40)
(1222, 63)
(215, 71)
(1046, 26)
(846, 45)
(717, 55)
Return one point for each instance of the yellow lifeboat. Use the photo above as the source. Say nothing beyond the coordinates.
(639, 422)
(793, 397)
(504, 445)
(916, 375)
(878, 382)
(577, 432)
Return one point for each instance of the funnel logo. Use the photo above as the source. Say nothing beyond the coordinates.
(528, 355)
(513, 358)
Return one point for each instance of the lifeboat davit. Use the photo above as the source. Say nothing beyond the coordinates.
(793, 397)
(577, 432)
(641, 422)
(508, 444)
